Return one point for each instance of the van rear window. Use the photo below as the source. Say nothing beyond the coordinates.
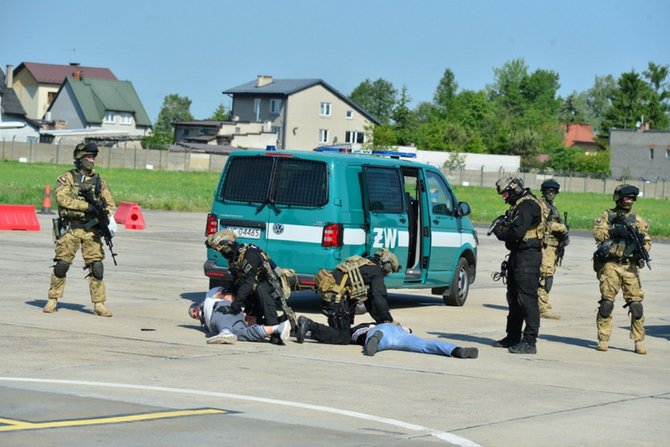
(285, 181)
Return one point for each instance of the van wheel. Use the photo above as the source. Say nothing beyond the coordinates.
(457, 293)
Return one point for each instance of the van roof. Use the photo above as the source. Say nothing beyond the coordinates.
(327, 156)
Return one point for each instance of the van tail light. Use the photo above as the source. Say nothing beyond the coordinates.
(212, 224)
(332, 235)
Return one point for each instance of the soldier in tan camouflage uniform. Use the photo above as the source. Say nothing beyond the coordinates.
(555, 237)
(74, 228)
(617, 262)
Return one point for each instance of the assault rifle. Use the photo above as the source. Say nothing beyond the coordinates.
(564, 242)
(101, 220)
(500, 220)
(638, 240)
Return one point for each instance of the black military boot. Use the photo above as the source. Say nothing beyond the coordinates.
(304, 326)
(505, 342)
(524, 347)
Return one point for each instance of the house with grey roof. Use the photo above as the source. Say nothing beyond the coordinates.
(14, 125)
(304, 113)
(109, 111)
(36, 84)
(640, 153)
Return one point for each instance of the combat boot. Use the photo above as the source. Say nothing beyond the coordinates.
(505, 343)
(304, 326)
(100, 310)
(523, 348)
(640, 348)
(602, 346)
(51, 306)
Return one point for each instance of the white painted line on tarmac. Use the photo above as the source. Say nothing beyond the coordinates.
(444, 436)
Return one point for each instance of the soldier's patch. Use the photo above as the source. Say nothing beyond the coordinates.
(62, 180)
(599, 220)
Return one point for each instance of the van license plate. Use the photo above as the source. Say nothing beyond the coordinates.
(246, 232)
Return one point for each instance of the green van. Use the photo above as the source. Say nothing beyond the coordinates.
(312, 210)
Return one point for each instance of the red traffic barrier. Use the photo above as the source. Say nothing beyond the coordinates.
(18, 217)
(135, 219)
(123, 211)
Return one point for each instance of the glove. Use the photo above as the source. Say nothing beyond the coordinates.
(90, 211)
(566, 240)
(618, 232)
(236, 307)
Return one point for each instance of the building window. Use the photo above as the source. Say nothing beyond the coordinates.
(323, 135)
(50, 98)
(110, 117)
(125, 118)
(257, 109)
(325, 109)
(651, 153)
(275, 106)
(350, 114)
(354, 137)
(184, 132)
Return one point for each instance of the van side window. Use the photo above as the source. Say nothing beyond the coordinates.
(247, 179)
(385, 190)
(301, 182)
(441, 200)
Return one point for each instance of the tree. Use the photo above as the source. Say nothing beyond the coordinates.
(175, 108)
(629, 102)
(597, 102)
(445, 92)
(220, 114)
(377, 98)
(506, 87)
(570, 111)
(404, 121)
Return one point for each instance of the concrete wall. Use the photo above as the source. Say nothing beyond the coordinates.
(632, 154)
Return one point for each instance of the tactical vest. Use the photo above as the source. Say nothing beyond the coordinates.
(550, 213)
(268, 272)
(80, 182)
(538, 231)
(622, 248)
(352, 285)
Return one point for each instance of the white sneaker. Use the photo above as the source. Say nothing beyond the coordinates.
(224, 337)
(284, 330)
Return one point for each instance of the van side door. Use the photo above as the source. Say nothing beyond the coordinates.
(386, 215)
(445, 236)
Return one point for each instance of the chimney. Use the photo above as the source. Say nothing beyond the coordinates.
(9, 76)
(262, 80)
(76, 72)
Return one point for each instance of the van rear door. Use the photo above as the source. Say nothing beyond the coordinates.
(386, 215)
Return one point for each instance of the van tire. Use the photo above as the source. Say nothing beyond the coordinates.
(457, 293)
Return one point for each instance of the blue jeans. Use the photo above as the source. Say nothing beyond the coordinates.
(396, 338)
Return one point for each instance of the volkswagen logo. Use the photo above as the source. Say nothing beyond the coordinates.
(278, 228)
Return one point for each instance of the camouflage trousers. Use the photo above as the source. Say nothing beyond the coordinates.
(91, 250)
(547, 269)
(625, 277)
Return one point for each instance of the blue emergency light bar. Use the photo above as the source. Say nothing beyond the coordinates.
(348, 150)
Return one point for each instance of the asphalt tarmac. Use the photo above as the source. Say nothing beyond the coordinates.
(146, 377)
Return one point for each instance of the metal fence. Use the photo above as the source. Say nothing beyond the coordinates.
(200, 162)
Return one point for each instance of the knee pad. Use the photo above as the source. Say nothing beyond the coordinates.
(636, 310)
(97, 270)
(61, 268)
(606, 308)
(548, 282)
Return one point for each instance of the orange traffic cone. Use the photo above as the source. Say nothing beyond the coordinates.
(46, 202)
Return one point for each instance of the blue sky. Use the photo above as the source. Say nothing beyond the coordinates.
(201, 47)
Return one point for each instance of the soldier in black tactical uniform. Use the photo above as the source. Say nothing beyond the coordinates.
(522, 232)
(257, 281)
(358, 280)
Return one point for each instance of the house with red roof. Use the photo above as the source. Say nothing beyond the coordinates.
(36, 84)
(581, 135)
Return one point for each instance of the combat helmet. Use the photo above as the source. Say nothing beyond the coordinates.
(222, 241)
(82, 149)
(546, 186)
(624, 190)
(389, 261)
(512, 184)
